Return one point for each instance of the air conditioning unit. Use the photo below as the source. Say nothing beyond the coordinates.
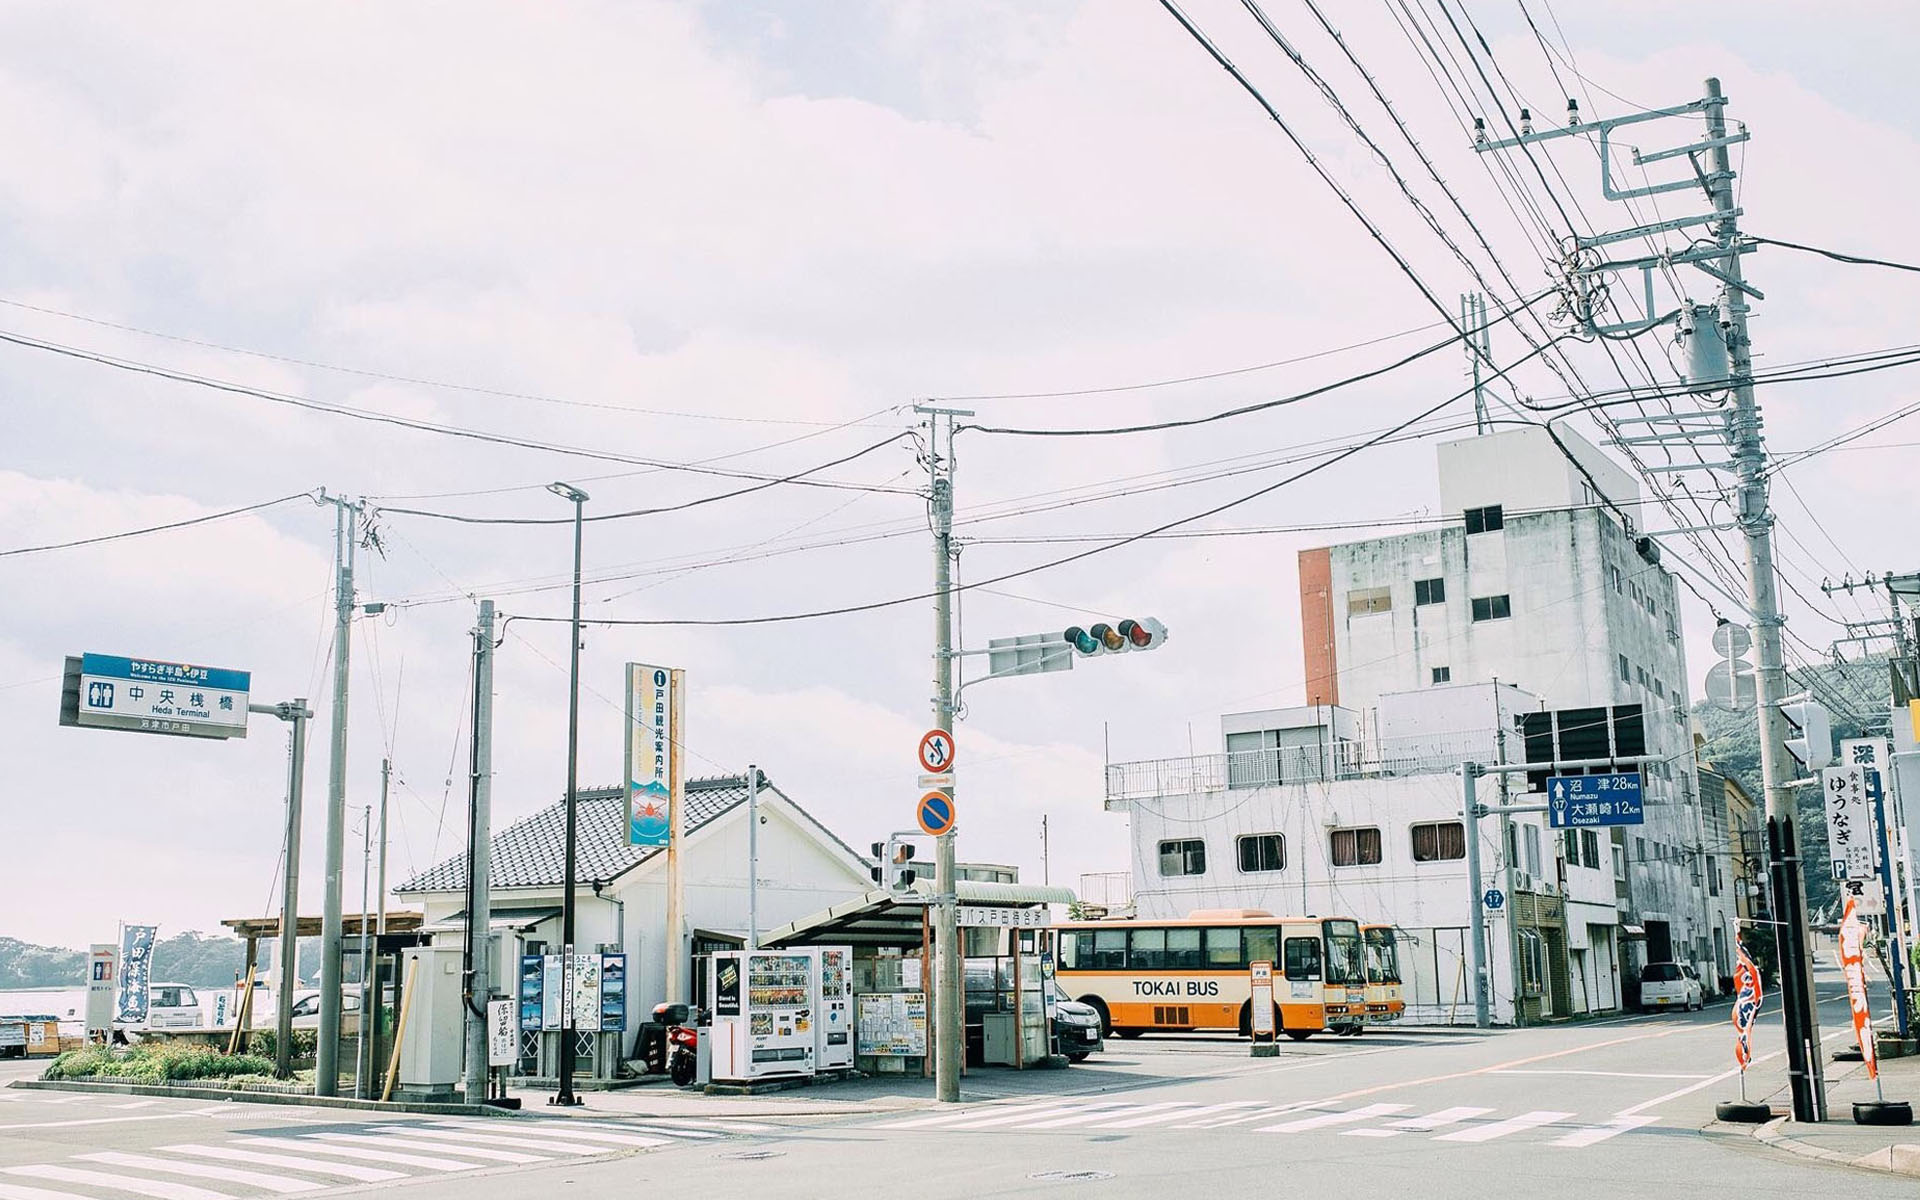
(1522, 882)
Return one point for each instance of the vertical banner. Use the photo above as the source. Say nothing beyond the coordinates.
(1853, 938)
(652, 753)
(532, 977)
(586, 993)
(136, 972)
(1746, 1003)
(101, 958)
(552, 991)
(613, 993)
(503, 1043)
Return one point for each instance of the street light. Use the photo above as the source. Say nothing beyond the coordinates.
(565, 1096)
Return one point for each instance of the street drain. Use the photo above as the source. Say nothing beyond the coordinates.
(753, 1155)
(1070, 1176)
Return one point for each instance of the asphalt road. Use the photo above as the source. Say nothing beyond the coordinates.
(1606, 1109)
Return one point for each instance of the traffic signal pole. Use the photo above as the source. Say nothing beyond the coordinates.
(949, 1009)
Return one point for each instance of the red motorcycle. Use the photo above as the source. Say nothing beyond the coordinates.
(683, 1051)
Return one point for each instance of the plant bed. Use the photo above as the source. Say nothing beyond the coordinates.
(162, 1063)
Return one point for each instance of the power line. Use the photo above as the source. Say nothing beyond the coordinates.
(130, 533)
(1835, 255)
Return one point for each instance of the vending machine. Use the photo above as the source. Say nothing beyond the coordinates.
(765, 1013)
(835, 972)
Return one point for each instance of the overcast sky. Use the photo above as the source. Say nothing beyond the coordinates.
(752, 235)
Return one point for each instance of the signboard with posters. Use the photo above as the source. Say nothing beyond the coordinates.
(1849, 820)
(553, 977)
(503, 1040)
(586, 993)
(148, 696)
(891, 1024)
(532, 978)
(654, 699)
(136, 972)
(1853, 941)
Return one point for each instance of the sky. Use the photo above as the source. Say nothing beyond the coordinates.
(749, 237)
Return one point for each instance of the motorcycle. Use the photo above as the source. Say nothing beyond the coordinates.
(683, 1051)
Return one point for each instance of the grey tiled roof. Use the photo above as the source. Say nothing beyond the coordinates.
(531, 852)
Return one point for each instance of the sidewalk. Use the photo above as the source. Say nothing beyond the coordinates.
(1838, 1140)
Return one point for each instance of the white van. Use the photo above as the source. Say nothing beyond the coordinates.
(173, 1006)
(1671, 985)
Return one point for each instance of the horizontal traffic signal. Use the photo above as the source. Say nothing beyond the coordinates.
(1118, 638)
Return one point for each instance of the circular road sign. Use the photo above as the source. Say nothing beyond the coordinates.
(1731, 640)
(935, 813)
(1731, 684)
(1494, 898)
(936, 752)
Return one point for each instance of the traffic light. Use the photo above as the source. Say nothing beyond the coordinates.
(1812, 738)
(1118, 638)
(890, 868)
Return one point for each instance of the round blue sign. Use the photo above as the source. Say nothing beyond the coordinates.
(1494, 898)
(935, 813)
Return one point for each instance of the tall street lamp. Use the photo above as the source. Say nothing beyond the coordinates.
(568, 1036)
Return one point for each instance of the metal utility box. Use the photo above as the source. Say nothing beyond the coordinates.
(766, 1005)
(432, 1046)
(834, 969)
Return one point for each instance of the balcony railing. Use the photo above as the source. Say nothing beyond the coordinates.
(1200, 774)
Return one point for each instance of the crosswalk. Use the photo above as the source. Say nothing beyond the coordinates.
(1458, 1124)
(313, 1157)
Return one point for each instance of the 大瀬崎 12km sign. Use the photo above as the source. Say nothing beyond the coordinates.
(144, 695)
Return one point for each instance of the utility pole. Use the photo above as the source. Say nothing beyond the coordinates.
(564, 1094)
(480, 861)
(326, 1067)
(753, 857)
(949, 1005)
(1473, 318)
(1046, 871)
(296, 714)
(361, 1058)
(386, 777)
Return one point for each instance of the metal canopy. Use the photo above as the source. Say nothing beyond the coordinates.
(887, 918)
(513, 920)
(268, 927)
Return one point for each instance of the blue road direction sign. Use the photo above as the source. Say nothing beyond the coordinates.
(1587, 801)
(106, 691)
(935, 813)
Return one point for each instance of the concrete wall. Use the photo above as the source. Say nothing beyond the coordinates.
(1524, 469)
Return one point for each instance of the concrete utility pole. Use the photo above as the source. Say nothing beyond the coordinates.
(949, 1005)
(326, 1064)
(1756, 523)
(753, 857)
(480, 860)
(1477, 909)
(296, 714)
(1473, 318)
(362, 1060)
(568, 1037)
(386, 777)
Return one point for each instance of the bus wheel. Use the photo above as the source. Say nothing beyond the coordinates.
(1299, 1035)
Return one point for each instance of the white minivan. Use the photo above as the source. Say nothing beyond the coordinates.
(172, 1006)
(1671, 985)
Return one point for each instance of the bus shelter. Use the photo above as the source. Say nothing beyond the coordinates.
(1006, 968)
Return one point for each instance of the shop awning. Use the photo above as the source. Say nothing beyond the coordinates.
(1632, 931)
(499, 920)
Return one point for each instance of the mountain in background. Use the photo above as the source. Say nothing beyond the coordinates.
(1856, 697)
(198, 959)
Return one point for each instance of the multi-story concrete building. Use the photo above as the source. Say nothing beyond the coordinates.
(1537, 586)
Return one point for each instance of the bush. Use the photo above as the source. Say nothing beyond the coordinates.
(156, 1062)
(306, 1043)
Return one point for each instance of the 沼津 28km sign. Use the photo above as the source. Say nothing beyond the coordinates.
(936, 752)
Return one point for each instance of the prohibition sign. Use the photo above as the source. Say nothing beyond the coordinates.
(936, 813)
(936, 752)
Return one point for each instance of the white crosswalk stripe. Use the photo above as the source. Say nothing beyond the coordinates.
(1500, 1129)
(288, 1162)
(160, 1189)
(280, 1184)
(1600, 1133)
(408, 1141)
(14, 1191)
(1426, 1124)
(967, 1114)
(531, 1140)
(593, 1130)
(313, 1145)
(1326, 1120)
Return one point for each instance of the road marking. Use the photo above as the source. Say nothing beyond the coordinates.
(136, 1104)
(285, 1162)
(1100, 1110)
(1607, 1074)
(1504, 1066)
(158, 1188)
(406, 1139)
(1500, 1129)
(14, 1191)
(1325, 1120)
(1262, 1114)
(1713, 1079)
(992, 1119)
(172, 1116)
(1215, 1109)
(525, 1143)
(637, 1138)
(649, 1127)
(310, 1142)
(1426, 1124)
(193, 1170)
(978, 1110)
(1600, 1133)
(1134, 1122)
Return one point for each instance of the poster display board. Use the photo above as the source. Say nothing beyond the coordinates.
(891, 1024)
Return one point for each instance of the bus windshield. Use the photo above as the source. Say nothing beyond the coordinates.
(1383, 955)
(1345, 961)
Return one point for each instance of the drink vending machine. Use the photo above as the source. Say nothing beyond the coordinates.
(766, 1008)
(835, 972)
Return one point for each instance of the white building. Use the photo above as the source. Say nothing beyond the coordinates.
(620, 892)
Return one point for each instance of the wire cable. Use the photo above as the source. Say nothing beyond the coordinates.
(1836, 256)
(130, 533)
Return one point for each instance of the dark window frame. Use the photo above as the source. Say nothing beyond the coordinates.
(1488, 518)
(1493, 608)
(1258, 843)
(1193, 857)
(1430, 591)
(1445, 836)
(1357, 846)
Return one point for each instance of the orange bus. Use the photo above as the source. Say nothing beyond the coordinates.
(1384, 999)
(1190, 973)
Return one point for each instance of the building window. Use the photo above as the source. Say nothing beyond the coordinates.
(1571, 851)
(1439, 841)
(1356, 847)
(1531, 836)
(1626, 670)
(1186, 856)
(1660, 689)
(1532, 962)
(1492, 608)
(1640, 675)
(1613, 573)
(1590, 848)
(1442, 674)
(1261, 852)
(1640, 849)
(1429, 591)
(1713, 876)
(1363, 601)
(1619, 861)
(1485, 520)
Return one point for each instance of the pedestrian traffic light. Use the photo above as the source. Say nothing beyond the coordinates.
(1811, 739)
(1117, 638)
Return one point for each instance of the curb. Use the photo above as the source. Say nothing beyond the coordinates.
(1897, 1159)
(299, 1099)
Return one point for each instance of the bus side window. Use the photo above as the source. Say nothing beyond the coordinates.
(1148, 949)
(1263, 945)
(1183, 949)
(1069, 949)
(1303, 958)
(1223, 948)
(1110, 950)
